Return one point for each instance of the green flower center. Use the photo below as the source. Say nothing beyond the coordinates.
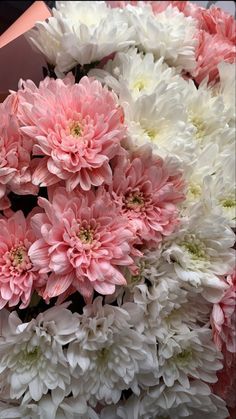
(103, 355)
(30, 357)
(228, 203)
(194, 247)
(135, 201)
(184, 358)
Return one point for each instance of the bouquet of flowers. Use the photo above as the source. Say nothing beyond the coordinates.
(117, 199)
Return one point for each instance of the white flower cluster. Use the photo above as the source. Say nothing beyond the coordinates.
(83, 32)
(147, 351)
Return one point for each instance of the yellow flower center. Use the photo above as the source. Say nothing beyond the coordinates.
(194, 190)
(140, 84)
(76, 129)
(86, 235)
(199, 125)
(151, 133)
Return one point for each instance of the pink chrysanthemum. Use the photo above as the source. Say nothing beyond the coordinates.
(18, 275)
(186, 7)
(82, 241)
(212, 49)
(223, 318)
(15, 149)
(77, 129)
(217, 21)
(146, 194)
(225, 386)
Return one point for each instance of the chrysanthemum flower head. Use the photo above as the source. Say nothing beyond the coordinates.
(224, 316)
(82, 240)
(32, 359)
(81, 32)
(167, 34)
(146, 194)
(77, 129)
(15, 149)
(18, 275)
(211, 50)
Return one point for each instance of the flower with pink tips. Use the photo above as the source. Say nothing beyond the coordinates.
(212, 49)
(223, 317)
(82, 241)
(77, 128)
(15, 149)
(146, 192)
(18, 275)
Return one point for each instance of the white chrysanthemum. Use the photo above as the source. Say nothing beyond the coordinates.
(48, 408)
(168, 34)
(206, 114)
(136, 72)
(227, 88)
(195, 402)
(212, 179)
(81, 32)
(201, 252)
(109, 355)
(223, 188)
(31, 354)
(129, 409)
(204, 171)
(186, 355)
(160, 121)
(169, 308)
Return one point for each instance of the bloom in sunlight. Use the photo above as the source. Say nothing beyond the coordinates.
(82, 241)
(77, 128)
(18, 274)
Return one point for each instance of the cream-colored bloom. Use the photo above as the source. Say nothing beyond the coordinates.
(32, 360)
(138, 73)
(81, 32)
(109, 354)
(201, 251)
(159, 120)
(191, 353)
(195, 402)
(226, 89)
(168, 34)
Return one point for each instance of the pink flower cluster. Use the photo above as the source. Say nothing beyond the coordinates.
(103, 203)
